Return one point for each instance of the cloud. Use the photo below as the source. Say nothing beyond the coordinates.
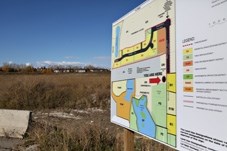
(28, 64)
(10, 62)
(58, 63)
(98, 61)
(71, 57)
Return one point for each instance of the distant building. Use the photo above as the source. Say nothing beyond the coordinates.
(56, 71)
(81, 71)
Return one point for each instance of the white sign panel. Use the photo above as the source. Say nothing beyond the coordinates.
(201, 75)
(169, 80)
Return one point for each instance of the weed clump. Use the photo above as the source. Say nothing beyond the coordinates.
(91, 137)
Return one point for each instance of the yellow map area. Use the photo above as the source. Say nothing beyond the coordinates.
(159, 47)
(171, 104)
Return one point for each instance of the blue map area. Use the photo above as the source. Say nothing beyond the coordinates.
(145, 123)
(117, 43)
(129, 90)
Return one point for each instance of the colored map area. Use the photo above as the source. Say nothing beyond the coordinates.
(129, 90)
(145, 123)
(149, 105)
(126, 89)
(143, 75)
(153, 45)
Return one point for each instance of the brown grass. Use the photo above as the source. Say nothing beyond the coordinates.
(54, 91)
(90, 137)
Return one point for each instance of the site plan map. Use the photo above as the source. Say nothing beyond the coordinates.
(143, 88)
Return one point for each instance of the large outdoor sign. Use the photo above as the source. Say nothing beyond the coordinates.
(168, 75)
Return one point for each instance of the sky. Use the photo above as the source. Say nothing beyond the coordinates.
(63, 32)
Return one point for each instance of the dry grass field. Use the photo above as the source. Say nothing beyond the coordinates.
(37, 92)
(85, 98)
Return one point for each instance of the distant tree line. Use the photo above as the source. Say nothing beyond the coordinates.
(22, 68)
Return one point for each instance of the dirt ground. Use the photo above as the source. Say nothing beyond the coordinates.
(60, 119)
(72, 119)
(7, 144)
